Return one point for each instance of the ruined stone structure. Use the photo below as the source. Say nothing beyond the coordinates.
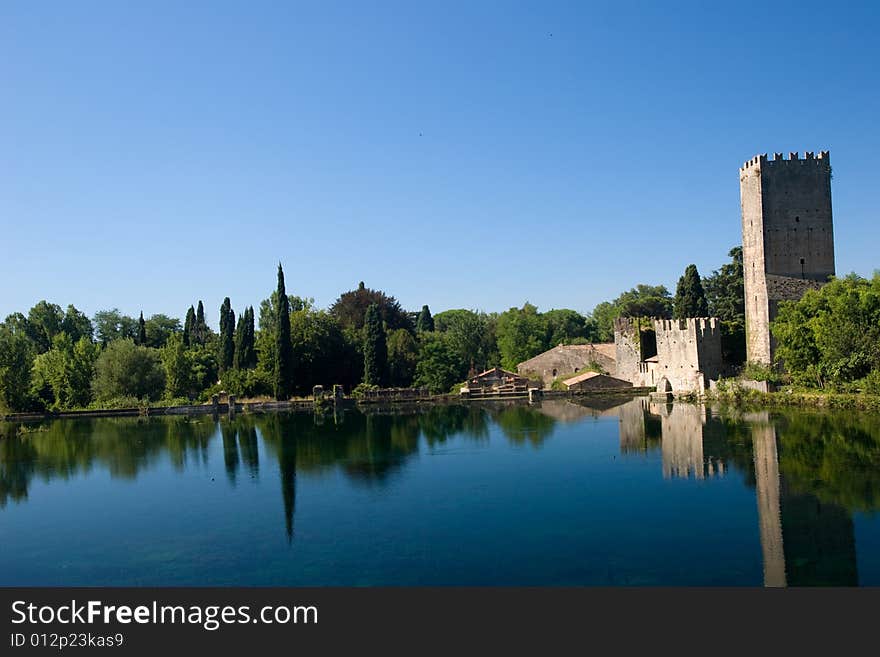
(686, 353)
(568, 359)
(788, 241)
(595, 381)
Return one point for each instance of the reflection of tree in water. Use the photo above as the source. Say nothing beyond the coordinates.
(523, 424)
(230, 450)
(123, 446)
(440, 423)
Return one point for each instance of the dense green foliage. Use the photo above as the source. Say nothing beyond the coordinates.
(725, 295)
(641, 301)
(690, 299)
(125, 369)
(375, 347)
(831, 337)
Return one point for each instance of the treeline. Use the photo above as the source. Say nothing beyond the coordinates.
(58, 359)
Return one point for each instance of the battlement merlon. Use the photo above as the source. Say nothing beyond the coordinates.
(693, 325)
(824, 158)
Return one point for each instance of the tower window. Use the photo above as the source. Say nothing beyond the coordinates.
(797, 219)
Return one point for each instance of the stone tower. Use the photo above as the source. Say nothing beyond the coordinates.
(788, 241)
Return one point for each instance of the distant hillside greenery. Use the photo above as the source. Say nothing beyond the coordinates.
(55, 358)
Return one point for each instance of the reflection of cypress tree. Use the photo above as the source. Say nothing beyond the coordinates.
(247, 442)
(287, 468)
(230, 451)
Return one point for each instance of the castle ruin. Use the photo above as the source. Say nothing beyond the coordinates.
(673, 355)
(788, 241)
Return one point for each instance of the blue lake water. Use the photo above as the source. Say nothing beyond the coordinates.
(609, 491)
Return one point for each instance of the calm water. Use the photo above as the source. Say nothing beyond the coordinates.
(600, 493)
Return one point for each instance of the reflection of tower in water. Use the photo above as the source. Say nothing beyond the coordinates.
(683, 426)
(806, 542)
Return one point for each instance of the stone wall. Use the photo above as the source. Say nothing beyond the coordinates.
(567, 359)
(689, 353)
(601, 382)
(787, 236)
(628, 348)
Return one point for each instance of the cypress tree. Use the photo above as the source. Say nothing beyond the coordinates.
(250, 345)
(375, 347)
(201, 329)
(425, 322)
(238, 342)
(690, 299)
(189, 327)
(283, 383)
(142, 330)
(227, 327)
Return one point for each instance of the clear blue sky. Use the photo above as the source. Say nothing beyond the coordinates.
(469, 154)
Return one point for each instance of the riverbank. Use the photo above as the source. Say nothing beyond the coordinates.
(787, 397)
(302, 404)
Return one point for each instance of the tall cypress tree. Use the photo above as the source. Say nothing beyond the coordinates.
(690, 299)
(250, 345)
(238, 342)
(201, 329)
(283, 383)
(375, 347)
(425, 322)
(142, 330)
(189, 327)
(227, 327)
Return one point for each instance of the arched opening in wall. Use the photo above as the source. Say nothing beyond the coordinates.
(554, 371)
(663, 385)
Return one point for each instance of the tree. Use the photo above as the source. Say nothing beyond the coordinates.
(425, 322)
(160, 328)
(318, 348)
(375, 347)
(466, 332)
(178, 368)
(283, 374)
(725, 295)
(249, 357)
(200, 328)
(724, 289)
(640, 301)
(44, 322)
(142, 330)
(831, 335)
(244, 354)
(16, 359)
(125, 369)
(62, 376)
(403, 355)
(189, 327)
(351, 307)
(522, 334)
(565, 326)
(227, 329)
(438, 368)
(76, 324)
(690, 299)
(111, 325)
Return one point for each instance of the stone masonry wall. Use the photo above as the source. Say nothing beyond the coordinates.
(689, 352)
(787, 235)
